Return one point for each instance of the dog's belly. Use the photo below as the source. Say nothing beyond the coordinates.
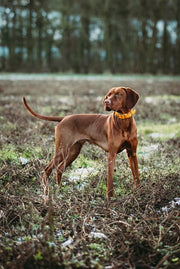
(102, 144)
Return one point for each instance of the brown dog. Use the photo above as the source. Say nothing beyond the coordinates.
(113, 133)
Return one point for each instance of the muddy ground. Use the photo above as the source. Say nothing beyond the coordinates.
(78, 228)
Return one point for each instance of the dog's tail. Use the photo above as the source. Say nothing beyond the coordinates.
(49, 118)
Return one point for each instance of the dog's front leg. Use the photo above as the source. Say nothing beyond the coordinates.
(111, 163)
(134, 166)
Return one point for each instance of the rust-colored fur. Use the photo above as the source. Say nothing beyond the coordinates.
(109, 132)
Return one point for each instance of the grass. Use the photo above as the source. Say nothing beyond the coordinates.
(161, 132)
(78, 227)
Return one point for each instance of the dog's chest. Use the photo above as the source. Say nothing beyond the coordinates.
(120, 140)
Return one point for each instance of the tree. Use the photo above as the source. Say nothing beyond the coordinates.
(90, 36)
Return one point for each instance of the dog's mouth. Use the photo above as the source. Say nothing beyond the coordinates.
(108, 108)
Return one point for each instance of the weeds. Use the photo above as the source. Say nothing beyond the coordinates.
(78, 228)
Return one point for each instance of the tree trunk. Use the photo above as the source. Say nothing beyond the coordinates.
(66, 51)
(39, 24)
(85, 44)
(177, 47)
(30, 36)
(152, 52)
(165, 49)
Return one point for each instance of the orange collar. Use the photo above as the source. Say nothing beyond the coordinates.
(125, 116)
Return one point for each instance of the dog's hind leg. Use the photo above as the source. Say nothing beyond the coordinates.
(48, 169)
(73, 153)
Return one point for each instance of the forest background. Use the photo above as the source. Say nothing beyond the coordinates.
(94, 36)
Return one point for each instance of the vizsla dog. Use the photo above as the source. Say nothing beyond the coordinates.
(113, 133)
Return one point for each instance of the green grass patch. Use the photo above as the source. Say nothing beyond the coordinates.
(159, 131)
(7, 126)
(13, 153)
(83, 161)
(9, 153)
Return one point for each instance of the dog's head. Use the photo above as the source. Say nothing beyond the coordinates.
(120, 99)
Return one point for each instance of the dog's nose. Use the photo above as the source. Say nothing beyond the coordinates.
(107, 102)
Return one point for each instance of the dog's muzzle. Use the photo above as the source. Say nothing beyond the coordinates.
(107, 103)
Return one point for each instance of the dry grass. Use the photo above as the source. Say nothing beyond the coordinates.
(133, 231)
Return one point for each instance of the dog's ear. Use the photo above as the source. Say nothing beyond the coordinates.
(132, 97)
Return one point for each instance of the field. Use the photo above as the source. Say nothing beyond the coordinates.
(78, 227)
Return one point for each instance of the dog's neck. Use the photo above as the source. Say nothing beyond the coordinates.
(126, 115)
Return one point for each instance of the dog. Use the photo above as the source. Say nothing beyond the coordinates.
(113, 133)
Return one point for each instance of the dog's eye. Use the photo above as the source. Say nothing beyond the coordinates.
(118, 94)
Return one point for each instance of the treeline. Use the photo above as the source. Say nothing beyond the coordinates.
(82, 36)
